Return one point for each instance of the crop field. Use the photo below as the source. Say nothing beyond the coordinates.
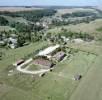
(64, 11)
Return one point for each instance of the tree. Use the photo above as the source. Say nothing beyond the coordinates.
(3, 21)
(1, 54)
(20, 40)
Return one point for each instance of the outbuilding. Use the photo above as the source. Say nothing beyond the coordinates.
(19, 62)
(59, 56)
(77, 77)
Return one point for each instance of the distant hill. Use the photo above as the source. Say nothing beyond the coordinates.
(16, 9)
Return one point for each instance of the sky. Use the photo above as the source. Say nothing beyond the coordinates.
(51, 2)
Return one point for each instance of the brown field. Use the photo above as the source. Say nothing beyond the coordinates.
(16, 9)
(64, 11)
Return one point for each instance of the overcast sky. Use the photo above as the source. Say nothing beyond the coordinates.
(51, 2)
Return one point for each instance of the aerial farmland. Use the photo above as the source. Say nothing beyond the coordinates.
(50, 53)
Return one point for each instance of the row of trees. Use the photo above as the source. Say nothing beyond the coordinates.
(74, 35)
(22, 27)
(79, 14)
(68, 34)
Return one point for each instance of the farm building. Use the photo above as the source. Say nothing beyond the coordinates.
(2, 42)
(59, 56)
(65, 39)
(19, 62)
(45, 64)
(48, 50)
(78, 40)
(77, 77)
(12, 42)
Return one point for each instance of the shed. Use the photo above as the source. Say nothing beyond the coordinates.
(77, 77)
(19, 62)
(59, 56)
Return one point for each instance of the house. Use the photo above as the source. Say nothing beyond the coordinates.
(45, 64)
(38, 23)
(65, 39)
(78, 40)
(59, 56)
(12, 42)
(45, 25)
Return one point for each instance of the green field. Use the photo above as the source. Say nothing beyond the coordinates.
(55, 85)
(58, 84)
(15, 19)
(90, 87)
(82, 27)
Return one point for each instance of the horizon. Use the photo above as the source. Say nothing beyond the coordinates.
(44, 6)
(51, 3)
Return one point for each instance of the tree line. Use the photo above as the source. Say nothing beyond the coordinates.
(79, 14)
(57, 38)
(33, 15)
(74, 22)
